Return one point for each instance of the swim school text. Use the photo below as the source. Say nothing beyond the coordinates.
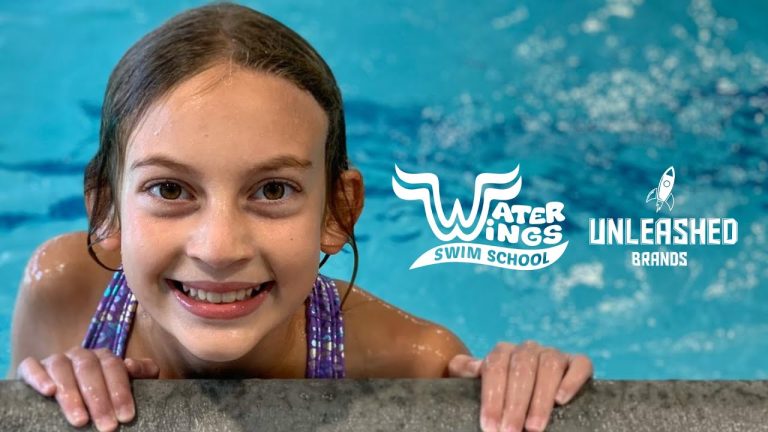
(492, 255)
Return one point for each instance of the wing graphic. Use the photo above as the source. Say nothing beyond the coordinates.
(429, 193)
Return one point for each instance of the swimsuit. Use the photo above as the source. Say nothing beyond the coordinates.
(111, 325)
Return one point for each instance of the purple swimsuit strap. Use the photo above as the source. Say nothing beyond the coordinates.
(111, 325)
(325, 331)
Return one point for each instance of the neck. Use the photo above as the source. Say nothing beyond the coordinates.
(275, 356)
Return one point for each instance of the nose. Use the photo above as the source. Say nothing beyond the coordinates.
(222, 238)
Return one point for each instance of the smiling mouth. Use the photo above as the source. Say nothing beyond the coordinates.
(219, 297)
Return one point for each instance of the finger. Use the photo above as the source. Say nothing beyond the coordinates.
(33, 373)
(494, 381)
(67, 394)
(552, 364)
(93, 388)
(464, 366)
(579, 371)
(523, 363)
(118, 385)
(142, 368)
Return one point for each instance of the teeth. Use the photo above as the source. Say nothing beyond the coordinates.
(216, 297)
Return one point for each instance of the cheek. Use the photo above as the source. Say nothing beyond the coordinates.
(143, 237)
(144, 250)
(292, 245)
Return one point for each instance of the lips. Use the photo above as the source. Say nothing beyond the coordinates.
(216, 300)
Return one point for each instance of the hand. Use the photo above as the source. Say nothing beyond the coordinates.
(82, 378)
(522, 383)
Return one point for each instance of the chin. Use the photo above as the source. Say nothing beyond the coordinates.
(219, 356)
(220, 352)
(218, 346)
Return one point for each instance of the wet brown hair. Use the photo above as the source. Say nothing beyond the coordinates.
(184, 46)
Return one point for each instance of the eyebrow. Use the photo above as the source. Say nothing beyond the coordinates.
(273, 164)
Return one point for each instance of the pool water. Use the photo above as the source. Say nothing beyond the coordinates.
(593, 99)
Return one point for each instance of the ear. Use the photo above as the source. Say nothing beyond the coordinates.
(110, 237)
(349, 204)
(111, 242)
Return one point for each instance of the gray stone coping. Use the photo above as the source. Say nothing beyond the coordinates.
(403, 405)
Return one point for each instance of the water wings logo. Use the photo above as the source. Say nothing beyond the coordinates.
(516, 224)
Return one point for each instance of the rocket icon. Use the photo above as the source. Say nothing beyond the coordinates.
(663, 193)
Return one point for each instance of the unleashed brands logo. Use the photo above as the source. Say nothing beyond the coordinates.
(663, 231)
(536, 229)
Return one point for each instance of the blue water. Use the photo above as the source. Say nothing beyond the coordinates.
(594, 99)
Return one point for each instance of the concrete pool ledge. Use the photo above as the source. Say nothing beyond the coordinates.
(403, 404)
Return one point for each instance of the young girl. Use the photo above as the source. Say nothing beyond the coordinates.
(221, 175)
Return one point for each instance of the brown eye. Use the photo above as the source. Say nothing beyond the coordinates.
(168, 190)
(274, 190)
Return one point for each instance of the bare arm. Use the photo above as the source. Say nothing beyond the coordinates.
(384, 341)
(50, 312)
(441, 346)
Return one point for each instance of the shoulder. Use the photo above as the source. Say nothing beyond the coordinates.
(384, 341)
(53, 306)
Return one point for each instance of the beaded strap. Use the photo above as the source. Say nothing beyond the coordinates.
(111, 324)
(325, 331)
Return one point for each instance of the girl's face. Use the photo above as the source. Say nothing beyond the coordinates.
(224, 182)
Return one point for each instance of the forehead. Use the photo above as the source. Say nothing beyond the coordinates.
(231, 111)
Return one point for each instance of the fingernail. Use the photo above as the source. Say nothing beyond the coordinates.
(106, 423)
(561, 397)
(536, 423)
(78, 417)
(509, 428)
(125, 414)
(488, 424)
